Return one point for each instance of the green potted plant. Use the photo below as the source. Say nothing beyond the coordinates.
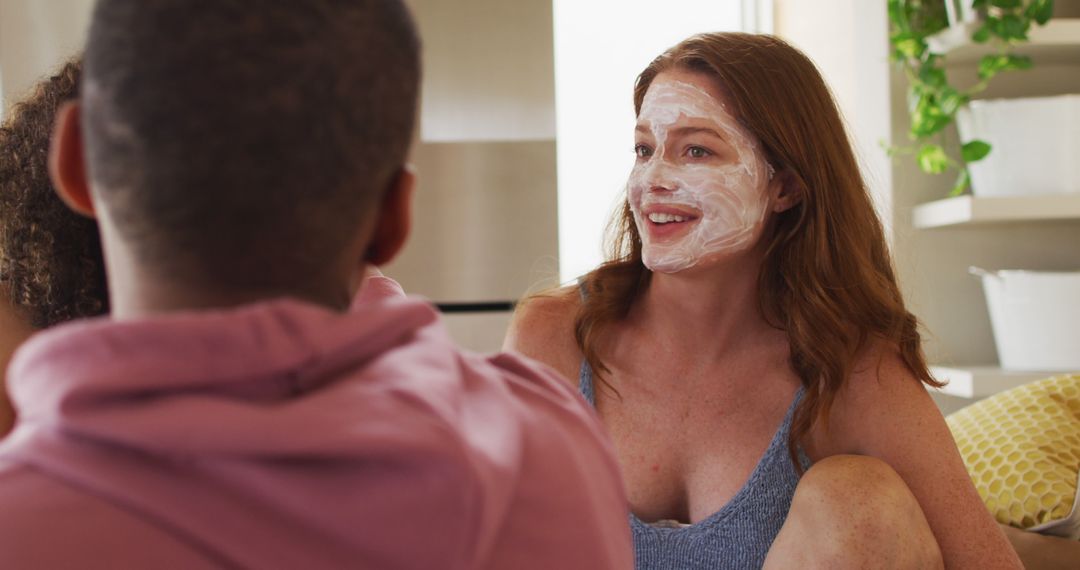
(932, 100)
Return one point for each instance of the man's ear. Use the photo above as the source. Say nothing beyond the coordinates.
(789, 191)
(67, 163)
(394, 218)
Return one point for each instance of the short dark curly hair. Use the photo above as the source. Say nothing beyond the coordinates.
(240, 144)
(50, 257)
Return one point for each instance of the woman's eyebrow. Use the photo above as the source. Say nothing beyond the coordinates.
(683, 131)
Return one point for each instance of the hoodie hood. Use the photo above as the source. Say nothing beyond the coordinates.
(279, 434)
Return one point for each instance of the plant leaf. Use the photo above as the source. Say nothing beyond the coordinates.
(1010, 62)
(1005, 3)
(977, 4)
(990, 65)
(981, 35)
(928, 118)
(975, 150)
(1014, 27)
(950, 100)
(1040, 11)
(932, 159)
(908, 45)
(1018, 62)
(996, 26)
(897, 15)
(961, 184)
(932, 75)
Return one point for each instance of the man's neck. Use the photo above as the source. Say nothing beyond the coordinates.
(149, 297)
(138, 289)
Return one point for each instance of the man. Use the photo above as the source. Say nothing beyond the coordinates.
(246, 161)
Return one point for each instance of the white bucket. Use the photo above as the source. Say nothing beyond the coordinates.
(1036, 318)
(1035, 142)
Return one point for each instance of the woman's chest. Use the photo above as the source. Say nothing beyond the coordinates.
(688, 441)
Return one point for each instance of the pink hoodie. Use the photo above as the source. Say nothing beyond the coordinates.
(283, 435)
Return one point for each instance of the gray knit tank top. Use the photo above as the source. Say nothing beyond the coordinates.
(740, 533)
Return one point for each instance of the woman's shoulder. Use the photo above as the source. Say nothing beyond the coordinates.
(543, 329)
(881, 377)
(883, 400)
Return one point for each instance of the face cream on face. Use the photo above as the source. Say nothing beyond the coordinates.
(699, 187)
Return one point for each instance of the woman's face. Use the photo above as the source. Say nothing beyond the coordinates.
(699, 188)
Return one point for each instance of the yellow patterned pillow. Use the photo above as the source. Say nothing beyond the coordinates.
(1022, 449)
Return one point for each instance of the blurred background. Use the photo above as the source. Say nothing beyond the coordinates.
(525, 143)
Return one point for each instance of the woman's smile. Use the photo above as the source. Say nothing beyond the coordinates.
(669, 222)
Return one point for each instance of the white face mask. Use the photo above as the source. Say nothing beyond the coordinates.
(699, 188)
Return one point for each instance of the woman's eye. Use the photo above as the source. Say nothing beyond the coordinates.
(698, 152)
(642, 151)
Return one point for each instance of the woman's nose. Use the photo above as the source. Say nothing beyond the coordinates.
(658, 176)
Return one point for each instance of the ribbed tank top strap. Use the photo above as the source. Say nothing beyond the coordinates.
(585, 383)
(585, 375)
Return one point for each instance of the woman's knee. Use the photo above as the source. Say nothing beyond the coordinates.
(851, 485)
(852, 510)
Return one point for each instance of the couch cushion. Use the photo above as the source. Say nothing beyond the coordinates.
(1022, 449)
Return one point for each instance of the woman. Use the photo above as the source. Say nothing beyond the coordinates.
(51, 268)
(748, 325)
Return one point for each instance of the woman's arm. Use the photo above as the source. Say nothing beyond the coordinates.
(1041, 552)
(885, 412)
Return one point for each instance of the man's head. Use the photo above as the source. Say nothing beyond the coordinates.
(246, 144)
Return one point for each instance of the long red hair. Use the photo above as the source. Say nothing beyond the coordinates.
(827, 279)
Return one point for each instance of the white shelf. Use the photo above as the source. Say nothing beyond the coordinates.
(972, 210)
(1058, 40)
(983, 381)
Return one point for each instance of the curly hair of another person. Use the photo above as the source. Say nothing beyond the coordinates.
(50, 257)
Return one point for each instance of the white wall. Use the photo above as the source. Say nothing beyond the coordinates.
(848, 41)
(600, 47)
(36, 36)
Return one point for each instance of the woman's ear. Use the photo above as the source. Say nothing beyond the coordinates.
(394, 219)
(788, 191)
(67, 163)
